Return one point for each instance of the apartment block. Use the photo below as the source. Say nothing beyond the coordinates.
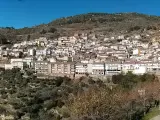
(113, 68)
(61, 69)
(97, 69)
(41, 67)
(134, 67)
(81, 68)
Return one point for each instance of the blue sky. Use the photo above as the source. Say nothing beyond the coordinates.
(27, 13)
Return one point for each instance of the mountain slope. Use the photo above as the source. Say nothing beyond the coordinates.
(91, 22)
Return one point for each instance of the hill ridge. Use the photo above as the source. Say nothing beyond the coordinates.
(90, 22)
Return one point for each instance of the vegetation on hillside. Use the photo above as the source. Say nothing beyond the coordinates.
(95, 22)
(62, 98)
(153, 113)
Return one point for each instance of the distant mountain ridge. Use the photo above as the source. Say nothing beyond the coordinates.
(90, 22)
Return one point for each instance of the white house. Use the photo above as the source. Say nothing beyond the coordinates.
(31, 52)
(140, 70)
(124, 42)
(8, 66)
(121, 37)
(96, 69)
(17, 64)
(115, 47)
(20, 62)
(16, 60)
(135, 67)
(137, 37)
(73, 39)
(136, 51)
(41, 52)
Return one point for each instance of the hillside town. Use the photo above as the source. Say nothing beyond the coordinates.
(79, 60)
(82, 53)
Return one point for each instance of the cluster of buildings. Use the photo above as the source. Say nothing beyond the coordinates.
(73, 69)
(81, 54)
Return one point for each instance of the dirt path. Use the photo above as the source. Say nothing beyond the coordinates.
(156, 118)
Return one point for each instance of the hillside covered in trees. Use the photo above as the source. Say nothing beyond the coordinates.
(91, 22)
(29, 98)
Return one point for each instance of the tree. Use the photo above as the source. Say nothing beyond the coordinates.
(127, 81)
(18, 76)
(52, 30)
(28, 37)
(59, 81)
(43, 31)
(3, 39)
(101, 103)
(87, 74)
